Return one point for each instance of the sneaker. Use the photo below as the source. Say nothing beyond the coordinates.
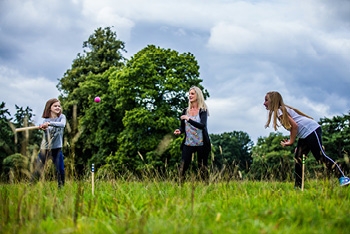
(344, 181)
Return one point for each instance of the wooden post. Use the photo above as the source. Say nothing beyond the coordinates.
(92, 178)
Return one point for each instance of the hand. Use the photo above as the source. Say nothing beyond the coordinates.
(177, 132)
(44, 126)
(285, 142)
(184, 117)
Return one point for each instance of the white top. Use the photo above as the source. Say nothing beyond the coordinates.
(305, 125)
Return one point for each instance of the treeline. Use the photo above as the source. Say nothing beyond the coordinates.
(130, 130)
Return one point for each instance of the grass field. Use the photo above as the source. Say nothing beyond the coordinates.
(166, 207)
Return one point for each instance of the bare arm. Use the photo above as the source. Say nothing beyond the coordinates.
(293, 133)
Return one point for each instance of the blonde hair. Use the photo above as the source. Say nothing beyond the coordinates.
(276, 102)
(47, 110)
(200, 99)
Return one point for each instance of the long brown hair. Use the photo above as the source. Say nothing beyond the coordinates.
(276, 102)
(47, 110)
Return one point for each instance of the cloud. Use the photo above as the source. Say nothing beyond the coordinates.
(241, 40)
(25, 91)
(244, 49)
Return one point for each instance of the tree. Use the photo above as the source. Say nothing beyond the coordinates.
(12, 143)
(22, 118)
(150, 91)
(102, 122)
(271, 160)
(232, 149)
(87, 78)
(7, 145)
(102, 51)
(336, 140)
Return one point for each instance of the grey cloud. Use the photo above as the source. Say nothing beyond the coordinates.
(244, 49)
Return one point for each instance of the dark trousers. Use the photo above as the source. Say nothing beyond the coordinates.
(313, 143)
(202, 160)
(57, 159)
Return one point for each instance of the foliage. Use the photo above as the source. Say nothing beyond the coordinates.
(131, 129)
(127, 206)
(232, 149)
(101, 51)
(336, 132)
(92, 128)
(271, 160)
(151, 92)
(101, 124)
(16, 166)
(12, 143)
(24, 118)
(7, 145)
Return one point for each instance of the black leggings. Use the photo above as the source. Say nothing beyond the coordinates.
(202, 160)
(313, 143)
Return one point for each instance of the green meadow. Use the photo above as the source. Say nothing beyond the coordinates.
(156, 206)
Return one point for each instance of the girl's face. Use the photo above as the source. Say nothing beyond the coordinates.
(55, 108)
(267, 102)
(192, 95)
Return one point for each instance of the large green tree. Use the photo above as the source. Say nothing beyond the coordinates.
(150, 91)
(101, 124)
(101, 51)
(87, 78)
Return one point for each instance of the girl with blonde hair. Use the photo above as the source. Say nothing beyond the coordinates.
(302, 126)
(194, 126)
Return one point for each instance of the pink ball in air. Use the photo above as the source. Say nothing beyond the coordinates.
(97, 99)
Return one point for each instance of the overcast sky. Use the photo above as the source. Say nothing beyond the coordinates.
(300, 48)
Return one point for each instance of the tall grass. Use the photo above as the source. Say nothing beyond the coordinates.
(156, 206)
